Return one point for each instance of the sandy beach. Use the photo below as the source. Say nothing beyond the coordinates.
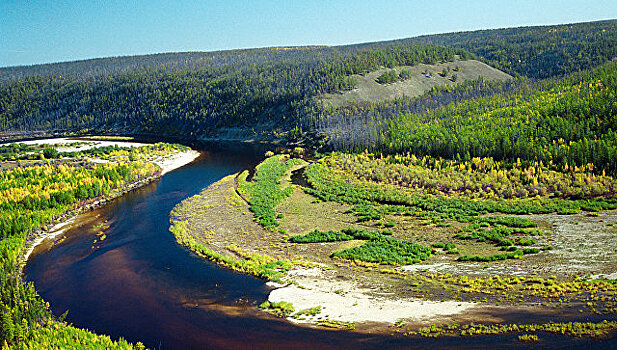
(176, 161)
(52, 233)
(85, 144)
(345, 301)
(167, 164)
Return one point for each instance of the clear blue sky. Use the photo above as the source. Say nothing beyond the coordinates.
(33, 31)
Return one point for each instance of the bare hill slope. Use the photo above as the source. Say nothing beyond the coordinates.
(423, 78)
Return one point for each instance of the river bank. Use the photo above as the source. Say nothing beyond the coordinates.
(373, 297)
(45, 187)
(346, 302)
(139, 284)
(346, 294)
(59, 225)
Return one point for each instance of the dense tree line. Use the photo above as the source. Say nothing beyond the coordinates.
(475, 178)
(568, 122)
(28, 193)
(536, 51)
(275, 89)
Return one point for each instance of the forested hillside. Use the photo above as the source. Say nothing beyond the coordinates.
(243, 89)
(536, 52)
(266, 93)
(564, 123)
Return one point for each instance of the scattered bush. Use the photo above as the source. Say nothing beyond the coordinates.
(390, 224)
(526, 338)
(404, 74)
(314, 311)
(50, 153)
(281, 308)
(387, 77)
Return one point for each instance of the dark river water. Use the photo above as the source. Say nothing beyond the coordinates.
(139, 284)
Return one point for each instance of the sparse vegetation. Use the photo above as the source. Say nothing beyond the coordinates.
(311, 312)
(281, 308)
(526, 338)
(337, 324)
(575, 329)
(257, 265)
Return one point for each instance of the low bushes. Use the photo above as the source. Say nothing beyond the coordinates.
(386, 250)
(321, 236)
(264, 191)
(379, 248)
(281, 308)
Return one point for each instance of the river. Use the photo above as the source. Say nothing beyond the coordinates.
(139, 284)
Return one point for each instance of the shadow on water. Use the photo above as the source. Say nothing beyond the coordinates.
(140, 285)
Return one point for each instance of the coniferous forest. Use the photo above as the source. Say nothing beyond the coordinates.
(272, 91)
